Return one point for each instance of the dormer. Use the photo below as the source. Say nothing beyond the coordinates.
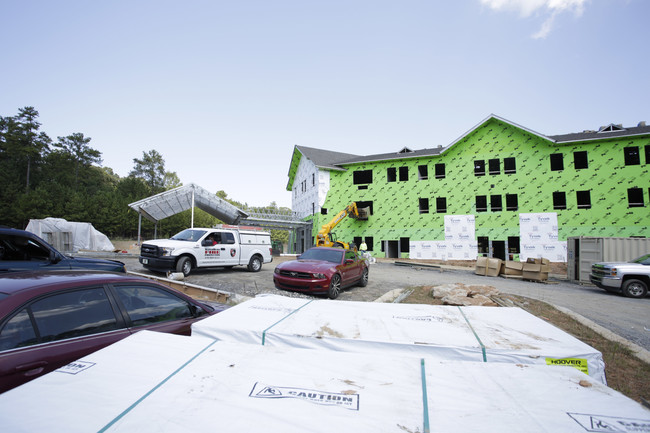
(611, 128)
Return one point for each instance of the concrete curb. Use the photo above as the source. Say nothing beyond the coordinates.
(636, 350)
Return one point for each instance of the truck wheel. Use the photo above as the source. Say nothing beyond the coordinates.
(184, 265)
(255, 264)
(335, 286)
(635, 289)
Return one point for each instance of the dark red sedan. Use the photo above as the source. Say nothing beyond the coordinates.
(322, 270)
(49, 319)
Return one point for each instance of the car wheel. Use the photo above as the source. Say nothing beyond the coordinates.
(635, 289)
(255, 264)
(184, 265)
(335, 287)
(363, 282)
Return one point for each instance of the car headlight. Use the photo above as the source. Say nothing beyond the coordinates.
(276, 270)
(613, 272)
(318, 275)
(167, 251)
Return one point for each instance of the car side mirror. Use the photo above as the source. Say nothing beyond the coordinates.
(54, 257)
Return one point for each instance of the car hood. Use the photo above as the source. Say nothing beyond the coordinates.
(615, 264)
(170, 243)
(307, 265)
(90, 263)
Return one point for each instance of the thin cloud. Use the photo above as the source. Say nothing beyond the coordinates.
(550, 9)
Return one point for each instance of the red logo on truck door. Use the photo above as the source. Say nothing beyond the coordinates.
(233, 252)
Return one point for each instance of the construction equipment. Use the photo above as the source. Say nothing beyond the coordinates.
(326, 238)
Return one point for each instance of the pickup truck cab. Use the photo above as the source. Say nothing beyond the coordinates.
(207, 247)
(630, 278)
(21, 250)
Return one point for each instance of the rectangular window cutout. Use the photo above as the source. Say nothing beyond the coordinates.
(479, 168)
(363, 204)
(580, 160)
(440, 170)
(512, 203)
(584, 199)
(647, 154)
(559, 200)
(513, 244)
(494, 166)
(323, 211)
(481, 203)
(423, 172)
(557, 162)
(391, 174)
(357, 240)
(362, 176)
(632, 156)
(635, 197)
(313, 179)
(403, 174)
(370, 242)
(495, 203)
(424, 205)
(483, 244)
(509, 166)
(441, 204)
(404, 245)
(362, 187)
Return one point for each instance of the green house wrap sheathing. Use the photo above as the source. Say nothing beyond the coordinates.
(597, 183)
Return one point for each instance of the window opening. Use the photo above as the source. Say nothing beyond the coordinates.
(483, 245)
(632, 156)
(509, 165)
(559, 200)
(424, 205)
(481, 203)
(370, 242)
(403, 174)
(635, 197)
(423, 172)
(404, 245)
(513, 244)
(495, 203)
(512, 203)
(557, 162)
(584, 199)
(440, 170)
(362, 176)
(441, 204)
(494, 166)
(580, 160)
(391, 174)
(479, 168)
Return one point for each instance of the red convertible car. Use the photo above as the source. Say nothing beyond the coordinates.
(322, 270)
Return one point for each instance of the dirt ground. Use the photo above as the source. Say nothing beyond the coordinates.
(625, 372)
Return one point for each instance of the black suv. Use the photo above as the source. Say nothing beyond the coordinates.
(21, 250)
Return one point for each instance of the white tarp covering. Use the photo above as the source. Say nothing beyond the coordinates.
(153, 382)
(538, 234)
(481, 334)
(459, 244)
(68, 236)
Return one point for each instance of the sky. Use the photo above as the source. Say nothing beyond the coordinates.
(224, 90)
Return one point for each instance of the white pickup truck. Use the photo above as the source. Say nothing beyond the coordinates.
(204, 248)
(630, 278)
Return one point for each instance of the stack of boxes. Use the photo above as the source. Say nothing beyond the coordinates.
(536, 269)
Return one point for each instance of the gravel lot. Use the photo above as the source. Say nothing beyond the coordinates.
(629, 318)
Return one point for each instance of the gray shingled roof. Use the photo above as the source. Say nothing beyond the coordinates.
(596, 135)
(394, 155)
(326, 158)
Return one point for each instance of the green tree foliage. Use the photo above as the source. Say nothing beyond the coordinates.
(39, 179)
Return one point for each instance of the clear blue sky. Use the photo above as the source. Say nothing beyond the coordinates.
(225, 89)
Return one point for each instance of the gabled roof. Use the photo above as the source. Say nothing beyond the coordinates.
(176, 200)
(321, 158)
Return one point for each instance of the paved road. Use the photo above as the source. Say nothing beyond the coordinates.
(629, 318)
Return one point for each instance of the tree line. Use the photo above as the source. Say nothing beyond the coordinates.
(40, 178)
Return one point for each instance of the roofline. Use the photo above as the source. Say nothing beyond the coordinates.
(601, 138)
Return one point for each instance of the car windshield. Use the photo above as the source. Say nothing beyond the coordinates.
(189, 235)
(323, 254)
(644, 260)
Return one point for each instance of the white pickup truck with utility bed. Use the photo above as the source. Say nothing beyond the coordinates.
(204, 248)
(630, 278)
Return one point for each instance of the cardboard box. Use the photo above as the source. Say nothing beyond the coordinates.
(494, 267)
(512, 268)
(481, 266)
(536, 276)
